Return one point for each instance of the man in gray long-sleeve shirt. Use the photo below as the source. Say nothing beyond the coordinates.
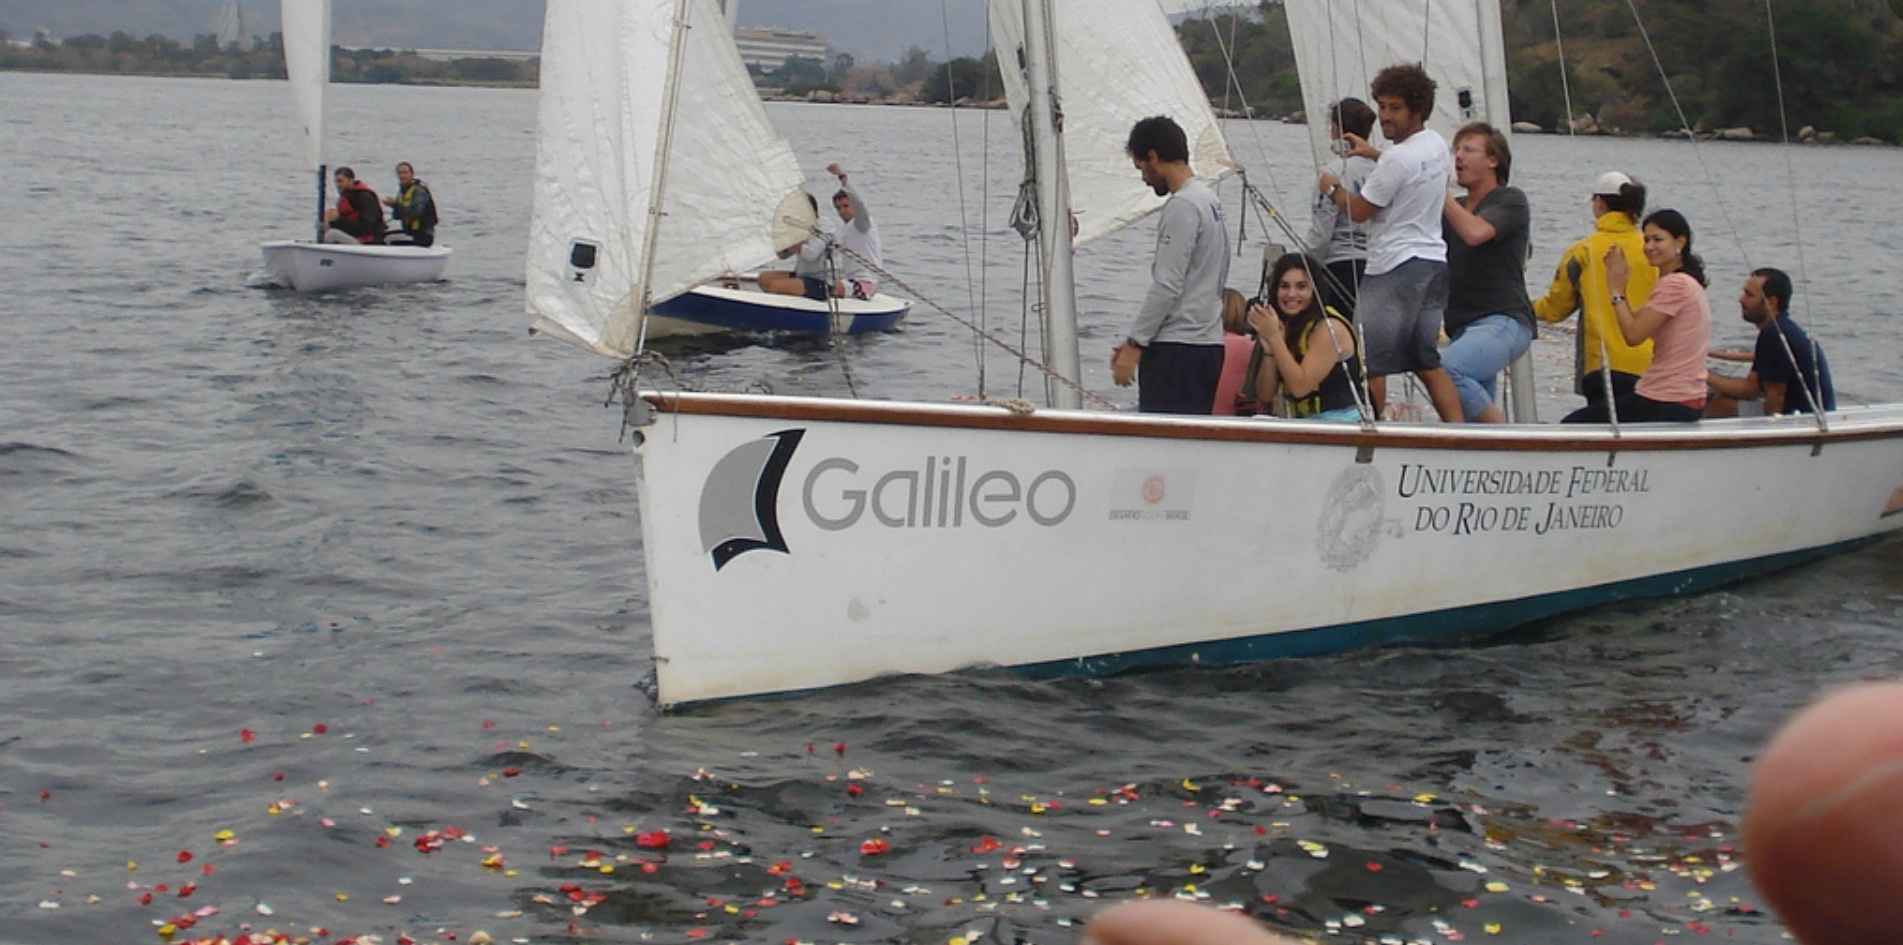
(1176, 340)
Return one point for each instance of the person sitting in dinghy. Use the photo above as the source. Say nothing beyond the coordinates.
(808, 277)
(860, 263)
(1676, 319)
(414, 207)
(358, 216)
(1308, 348)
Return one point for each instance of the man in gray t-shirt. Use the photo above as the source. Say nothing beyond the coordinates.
(1176, 339)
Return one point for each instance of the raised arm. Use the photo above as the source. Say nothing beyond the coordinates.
(861, 217)
(1472, 228)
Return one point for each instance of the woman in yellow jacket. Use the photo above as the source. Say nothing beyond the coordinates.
(1579, 285)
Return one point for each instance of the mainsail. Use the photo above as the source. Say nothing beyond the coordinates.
(1118, 61)
(1339, 46)
(306, 25)
(612, 163)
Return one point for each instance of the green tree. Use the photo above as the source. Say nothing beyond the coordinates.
(913, 68)
(962, 78)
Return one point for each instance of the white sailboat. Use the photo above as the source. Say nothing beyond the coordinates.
(797, 543)
(317, 266)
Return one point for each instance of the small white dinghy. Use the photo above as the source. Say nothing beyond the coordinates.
(324, 267)
(317, 266)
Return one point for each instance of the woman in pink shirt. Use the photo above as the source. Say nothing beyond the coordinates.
(1237, 348)
(1677, 320)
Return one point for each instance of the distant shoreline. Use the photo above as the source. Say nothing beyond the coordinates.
(1806, 136)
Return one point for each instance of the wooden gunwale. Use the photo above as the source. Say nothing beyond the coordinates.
(1544, 439)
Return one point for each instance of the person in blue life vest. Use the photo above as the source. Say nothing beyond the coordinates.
(1789, 372)
(414, 207)
(358, 216)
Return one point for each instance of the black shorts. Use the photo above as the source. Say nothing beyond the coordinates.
(815, 288)
(1178, 378)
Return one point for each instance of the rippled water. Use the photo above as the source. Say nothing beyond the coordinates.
(325, 614)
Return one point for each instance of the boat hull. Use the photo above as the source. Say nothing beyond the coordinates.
(795, 544)
(717, 308)
(329, 267)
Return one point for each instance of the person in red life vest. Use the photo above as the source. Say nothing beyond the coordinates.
(358, 216)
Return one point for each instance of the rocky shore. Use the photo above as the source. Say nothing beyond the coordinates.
(1583, 125)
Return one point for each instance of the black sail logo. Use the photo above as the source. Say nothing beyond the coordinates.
(739, 503)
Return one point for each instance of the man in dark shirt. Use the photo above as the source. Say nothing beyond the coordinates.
(413, 206)
(358, 216)
(1788, 369)
(1489, 319)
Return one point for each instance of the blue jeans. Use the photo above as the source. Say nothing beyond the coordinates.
(1478, 354)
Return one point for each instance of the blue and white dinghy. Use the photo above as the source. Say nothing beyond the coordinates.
(659, 182)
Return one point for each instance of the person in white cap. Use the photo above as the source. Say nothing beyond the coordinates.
(1579, 285)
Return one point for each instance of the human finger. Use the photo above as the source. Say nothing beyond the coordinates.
(1822, 839)
(1168, 922)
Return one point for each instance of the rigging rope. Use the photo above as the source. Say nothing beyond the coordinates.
(1565, 83)
(979, 330)
(1684, 123)
(958, 166)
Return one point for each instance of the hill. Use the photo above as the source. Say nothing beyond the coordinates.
(869, 30)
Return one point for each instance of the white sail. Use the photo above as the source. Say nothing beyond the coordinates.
(1118, 61)
(721, 185)
(1340, 46)
(307, 64)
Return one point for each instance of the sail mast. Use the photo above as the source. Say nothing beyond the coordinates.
(663, 145)
(305, 36)
(1053, 210)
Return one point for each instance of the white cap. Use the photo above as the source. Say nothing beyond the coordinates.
(1610, 182)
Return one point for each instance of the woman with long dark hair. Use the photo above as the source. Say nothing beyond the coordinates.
(1308, 349)
(1676, 319)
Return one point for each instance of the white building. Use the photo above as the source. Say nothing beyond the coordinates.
(765, 50)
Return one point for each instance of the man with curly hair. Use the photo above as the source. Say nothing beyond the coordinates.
(1404, 293)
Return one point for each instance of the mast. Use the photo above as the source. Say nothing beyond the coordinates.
(1522, 403)
(1053, 210)
(663, 145)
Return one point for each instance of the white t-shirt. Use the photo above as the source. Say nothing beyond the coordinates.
(1410, 187)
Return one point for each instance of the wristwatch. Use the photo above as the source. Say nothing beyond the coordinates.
(1332, 190)
(1617, 299)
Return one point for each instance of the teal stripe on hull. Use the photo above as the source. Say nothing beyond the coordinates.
(1460, 623)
